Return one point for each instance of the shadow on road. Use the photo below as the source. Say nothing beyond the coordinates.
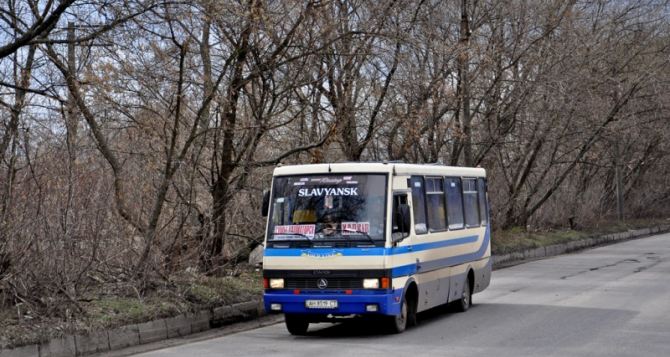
(367, 327)
(536, 325)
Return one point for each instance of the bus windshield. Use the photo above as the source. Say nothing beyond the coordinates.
(328, 207)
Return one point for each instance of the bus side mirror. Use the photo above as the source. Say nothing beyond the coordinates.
(265, 208)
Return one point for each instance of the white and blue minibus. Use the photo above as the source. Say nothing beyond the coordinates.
(380, 239)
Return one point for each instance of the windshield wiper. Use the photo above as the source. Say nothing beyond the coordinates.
(365, 234)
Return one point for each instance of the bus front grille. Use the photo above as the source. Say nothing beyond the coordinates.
(331, 283)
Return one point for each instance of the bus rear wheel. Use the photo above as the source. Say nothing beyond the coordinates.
(296, 325)
(465, 302)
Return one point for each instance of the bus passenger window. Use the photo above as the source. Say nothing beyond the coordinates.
(437, 215)
(483, 205)
(454, 202)
(470, 203)
(418, 205)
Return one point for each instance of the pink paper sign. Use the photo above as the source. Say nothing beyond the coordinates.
(304, 229)
(355, 227)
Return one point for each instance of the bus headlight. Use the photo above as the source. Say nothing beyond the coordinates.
(371, 283)
(276, 283)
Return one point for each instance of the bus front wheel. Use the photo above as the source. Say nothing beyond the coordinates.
(296, 325)
(407, 315)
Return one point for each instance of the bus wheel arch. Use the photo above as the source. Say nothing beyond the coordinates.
(465, 302)
(407, 315)
(471, 283)
(412, 293)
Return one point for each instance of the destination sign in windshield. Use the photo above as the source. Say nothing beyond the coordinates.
(328, 207)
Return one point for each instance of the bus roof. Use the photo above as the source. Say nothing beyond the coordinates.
(378, 167)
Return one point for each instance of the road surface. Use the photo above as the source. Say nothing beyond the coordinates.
(608, 301)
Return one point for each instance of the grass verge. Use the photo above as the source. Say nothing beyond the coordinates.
(518, 239)
(110, 306)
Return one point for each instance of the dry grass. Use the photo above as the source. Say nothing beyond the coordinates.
(107, 307)
(517, 239)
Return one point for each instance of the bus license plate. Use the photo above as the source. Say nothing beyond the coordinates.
(321, 304)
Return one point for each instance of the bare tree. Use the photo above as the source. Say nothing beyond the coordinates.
(28, 30)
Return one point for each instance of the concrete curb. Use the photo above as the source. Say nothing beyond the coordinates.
(514, 258)
(133, 335)
(186, 324)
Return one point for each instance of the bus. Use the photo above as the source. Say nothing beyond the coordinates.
(385, 240)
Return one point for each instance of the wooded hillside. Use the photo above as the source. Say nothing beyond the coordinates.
(137, 136)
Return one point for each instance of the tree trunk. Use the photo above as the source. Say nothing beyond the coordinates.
(463, 63)
(226, 164)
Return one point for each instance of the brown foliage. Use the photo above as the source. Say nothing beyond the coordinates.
(142, 148)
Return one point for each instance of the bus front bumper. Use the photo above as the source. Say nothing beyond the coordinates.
(357, 302)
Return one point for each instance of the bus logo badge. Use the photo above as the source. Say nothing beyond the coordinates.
(322, 283)
(321, 255)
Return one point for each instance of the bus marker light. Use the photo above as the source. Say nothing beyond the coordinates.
(385, 283)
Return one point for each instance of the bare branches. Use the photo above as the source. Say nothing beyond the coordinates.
(43, 24)
(187, 106)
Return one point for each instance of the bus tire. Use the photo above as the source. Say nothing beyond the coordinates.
(398, 323)
(465, 302)
(411, 313)
(296, 325)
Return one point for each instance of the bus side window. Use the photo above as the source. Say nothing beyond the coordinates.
(470, 203)
(419, 204)
(437, 213)
(483, 204)
(454, 202)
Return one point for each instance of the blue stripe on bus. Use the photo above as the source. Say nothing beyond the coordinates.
(403, 270)
(432, 245)
(353, 252)
(424, 267)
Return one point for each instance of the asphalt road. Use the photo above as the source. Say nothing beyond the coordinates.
(608, 301)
